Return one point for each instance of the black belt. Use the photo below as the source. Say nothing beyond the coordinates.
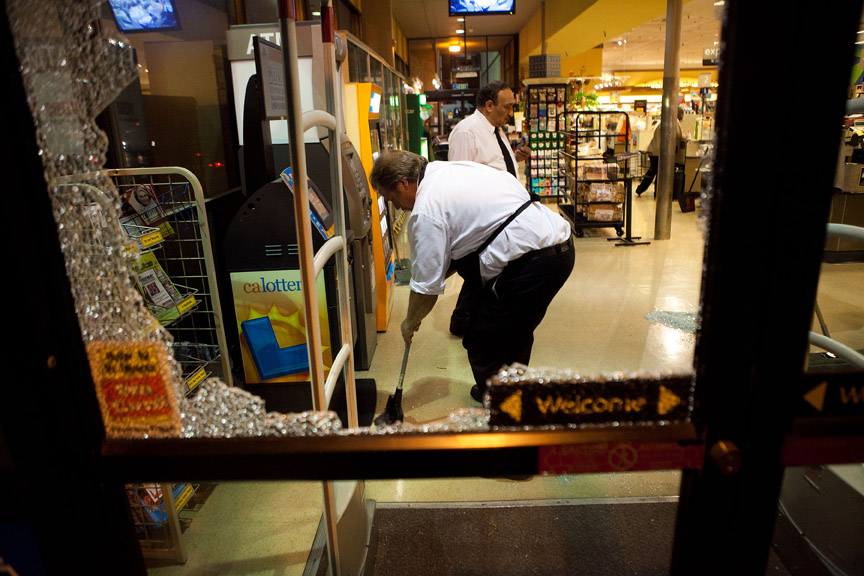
(548, 251)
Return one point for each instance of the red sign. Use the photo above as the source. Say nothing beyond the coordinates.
(619, 457)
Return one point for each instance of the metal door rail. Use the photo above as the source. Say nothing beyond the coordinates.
(310, 266)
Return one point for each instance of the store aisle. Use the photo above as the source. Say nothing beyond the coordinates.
(596, 323)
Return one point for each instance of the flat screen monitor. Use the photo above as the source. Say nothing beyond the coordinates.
(144, 15)
(482, 7)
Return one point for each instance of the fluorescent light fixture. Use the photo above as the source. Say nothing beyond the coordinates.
(455, 48)
(460, 31)
(460, 19)
(316, 13)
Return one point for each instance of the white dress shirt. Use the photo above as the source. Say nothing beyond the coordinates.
(458, 206)
(474, 139)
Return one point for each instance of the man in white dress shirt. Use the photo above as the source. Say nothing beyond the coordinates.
(456, 208)
(481, 138)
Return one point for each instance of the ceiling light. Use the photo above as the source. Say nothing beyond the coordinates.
(719, 3)
(455, 48)
(460, 31)
(460, 19)
(316, 13)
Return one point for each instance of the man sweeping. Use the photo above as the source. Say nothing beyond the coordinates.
(481, 221)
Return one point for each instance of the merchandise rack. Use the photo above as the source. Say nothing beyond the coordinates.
(155, 510)
(546, 110)
(614, 178)
(183, 250)
(186, 255)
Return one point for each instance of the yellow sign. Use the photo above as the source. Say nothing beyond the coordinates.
(196, 378)
(134, 388)
(151, 239)
(186, 305)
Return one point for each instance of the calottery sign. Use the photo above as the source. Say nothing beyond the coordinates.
(271, 323)
(134, 386)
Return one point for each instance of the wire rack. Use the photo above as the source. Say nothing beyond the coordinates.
(185, 254)
(156, 509)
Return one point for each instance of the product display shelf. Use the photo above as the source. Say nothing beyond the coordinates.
(166, 226)
(155, 510)
(599, 169)
(546, 110)
(186, 256)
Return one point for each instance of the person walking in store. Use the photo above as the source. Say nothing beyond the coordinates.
(654, 153)
(480, 138)
(483, 222)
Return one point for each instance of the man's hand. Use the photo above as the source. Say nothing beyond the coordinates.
(523, 153)
(408, 330)
(419, 306)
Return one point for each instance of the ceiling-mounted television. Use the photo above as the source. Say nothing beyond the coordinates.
(482, 7)
(144, 15)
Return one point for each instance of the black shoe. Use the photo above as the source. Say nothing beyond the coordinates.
(458, 326)
(476, 393)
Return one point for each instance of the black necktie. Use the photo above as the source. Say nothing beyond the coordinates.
(508, 158)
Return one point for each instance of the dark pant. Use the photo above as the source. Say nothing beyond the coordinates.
(649, 175)
(507, 311)
(468, 295)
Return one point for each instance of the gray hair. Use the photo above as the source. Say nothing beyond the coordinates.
(393, 166)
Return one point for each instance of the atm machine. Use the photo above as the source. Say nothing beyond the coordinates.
(260, 247)
(266, 152)
(358, 201)
(362, 103)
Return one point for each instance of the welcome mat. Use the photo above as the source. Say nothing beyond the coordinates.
(522, 539)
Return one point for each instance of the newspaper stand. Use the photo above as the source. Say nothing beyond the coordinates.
(186, 254)
(180, 242)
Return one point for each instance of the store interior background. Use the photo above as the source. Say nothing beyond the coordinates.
(597, 323)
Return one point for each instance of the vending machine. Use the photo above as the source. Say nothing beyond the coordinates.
(362, 103)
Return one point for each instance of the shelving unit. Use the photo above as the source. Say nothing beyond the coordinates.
(186, 256)
(547, 129)
(599, 170)
(166, 226)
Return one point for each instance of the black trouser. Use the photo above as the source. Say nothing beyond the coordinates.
(649, 175)
(468, 295)
(507, 311)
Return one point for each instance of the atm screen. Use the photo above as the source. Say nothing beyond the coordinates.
(374, 103)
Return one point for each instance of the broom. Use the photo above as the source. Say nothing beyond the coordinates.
(393, 411)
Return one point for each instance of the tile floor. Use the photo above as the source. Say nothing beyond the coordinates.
(596, 323)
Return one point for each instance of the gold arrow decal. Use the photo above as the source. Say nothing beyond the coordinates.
(513, 406)
(816, 396)
(668, 400)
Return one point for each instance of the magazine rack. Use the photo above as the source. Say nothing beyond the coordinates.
(185, 254)
(178, 239)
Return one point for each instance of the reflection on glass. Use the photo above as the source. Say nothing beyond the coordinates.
(597, 324)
